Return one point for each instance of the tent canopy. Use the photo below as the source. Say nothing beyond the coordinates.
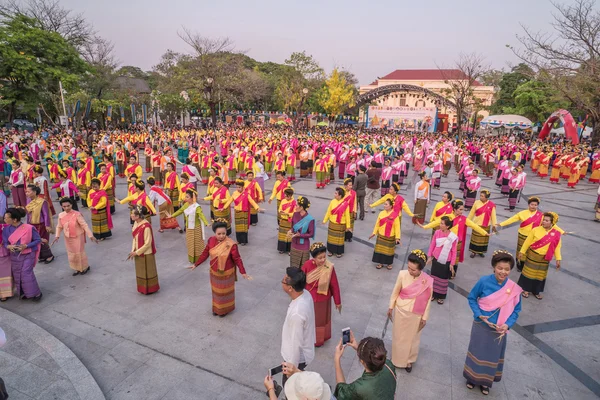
(506, 121)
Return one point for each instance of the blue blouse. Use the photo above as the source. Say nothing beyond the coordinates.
(8, 230)
(485, 286)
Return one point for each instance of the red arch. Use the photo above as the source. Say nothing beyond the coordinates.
(568, 123)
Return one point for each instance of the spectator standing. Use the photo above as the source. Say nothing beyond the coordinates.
(373, 178)
(360, 186)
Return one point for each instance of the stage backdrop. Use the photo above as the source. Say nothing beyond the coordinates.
(409, 118)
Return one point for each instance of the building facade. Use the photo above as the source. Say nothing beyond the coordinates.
(431, 80)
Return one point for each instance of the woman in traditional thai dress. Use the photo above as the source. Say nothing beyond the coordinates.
(496, 302)
(400, 205)
(76, 230)
(38, 215)
(84, 178)
(422, 197)
(542, 244)
(409, 308)
(303, 162)
(472, 186)
(242, 203)
(386, 177)
(143, 252)
(6, 279)
(255, 192)
(460, 223)
(224, 258)
(352, 199)
(139, 198)
(595, 176)
(100, 207)
(303, 229)
(483, 214)
(184, 186)
(67, 188)
(321, 171)
(195, 237)
(286, 211)
(529, 219)
(322, 283)
(441, 208)
(514, 188)
(17, 185)
(442, 257)
(387, 230)
(218, 198)
(338, 217)
(23, 241)
(106, 183)
(172, 184)
(290, 165)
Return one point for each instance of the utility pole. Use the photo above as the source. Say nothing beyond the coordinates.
(62, 97)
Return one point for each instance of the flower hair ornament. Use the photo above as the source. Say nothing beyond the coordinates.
(223, 220)
(419, 253)
(316, 245)
(501, 252)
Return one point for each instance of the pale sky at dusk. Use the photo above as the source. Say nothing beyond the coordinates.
(370, 38)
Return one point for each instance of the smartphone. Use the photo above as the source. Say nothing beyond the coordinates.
(345, 335)
(276, 370)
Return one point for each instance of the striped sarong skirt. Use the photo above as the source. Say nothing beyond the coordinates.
(232, 174)
(420, 211)
(111, 198)
(100, 224)
(157, 175)
(241, 226)
(470, 198)
(485, 356)
(174, 196)
(440, 274)
(512, 198)
(222, 285)
(226, 215)
(303, 169)
(253, 216)
(385, 249)
(6, 279)
(320, 178)
(322, 321)
(195, 243)
(535, 271)
(148, 163)
(290, 172)
(83, 191)
(447, 166)
(336, 238)
(298, 257)
(146, 274)
(479, 243)
(284, 244)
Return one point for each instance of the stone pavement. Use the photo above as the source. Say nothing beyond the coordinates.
(169, 346)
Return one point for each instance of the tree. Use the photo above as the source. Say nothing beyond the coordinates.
(536, 100)
(507, 86)
(460, 81)
(338, 94)
(32, 62)
(306, 65)
(568, 59)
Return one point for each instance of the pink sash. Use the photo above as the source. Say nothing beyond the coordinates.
(487, 209)
(171, 180)
(505, 299)
(535, 220)
(447, 209)
(339, 211)
(187, 170)
(388, 224)
(552, 239)
(96, 196)
(420, 291)
(24, 234)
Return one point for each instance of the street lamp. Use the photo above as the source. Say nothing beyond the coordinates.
(211, 104)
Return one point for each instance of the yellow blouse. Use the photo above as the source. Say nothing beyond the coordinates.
(382, 200)
(218, 201)
(454, 229)
(238, 207)
(380, 229)
(134, 196)
(520, 217)
(101, 203)
(290, 211)
(332, 218)
(108, 182)
(146, 248)
(438, 205)
(537, 234)
(405, 279)
(479, 219)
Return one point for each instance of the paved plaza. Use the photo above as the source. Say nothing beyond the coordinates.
(170, 346)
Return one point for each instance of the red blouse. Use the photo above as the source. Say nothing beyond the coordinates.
(233, 259)
(334, 287)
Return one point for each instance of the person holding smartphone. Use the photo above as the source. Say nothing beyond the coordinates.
(378, 381)
(300, 385)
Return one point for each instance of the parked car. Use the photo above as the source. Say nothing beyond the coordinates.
(23, 124)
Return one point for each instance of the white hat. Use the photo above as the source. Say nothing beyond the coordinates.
(307, 386)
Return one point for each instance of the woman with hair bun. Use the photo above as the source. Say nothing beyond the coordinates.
(242, 204)
(442, 257)
(388, 236)
(496, 302)
(338, 217)
(195, 237)
(224, 259)
(23, 241)
(483, 214)
(460, 223)
(322, 283)
(143, 250)
(303, 229)
(409, 307)
(140, 199)
(353, 202)
(378, 380)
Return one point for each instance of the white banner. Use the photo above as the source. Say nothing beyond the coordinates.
(409, 118)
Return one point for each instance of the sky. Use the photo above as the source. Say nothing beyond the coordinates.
(368, 38)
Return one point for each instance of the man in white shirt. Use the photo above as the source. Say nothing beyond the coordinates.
(299, 333)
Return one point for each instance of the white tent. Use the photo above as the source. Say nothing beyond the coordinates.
(506, 121)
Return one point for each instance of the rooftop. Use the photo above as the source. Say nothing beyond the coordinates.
(424, 74)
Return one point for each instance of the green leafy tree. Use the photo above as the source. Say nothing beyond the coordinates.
(338, 94)
(32, 62)
(536, 100)
(509, 82)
